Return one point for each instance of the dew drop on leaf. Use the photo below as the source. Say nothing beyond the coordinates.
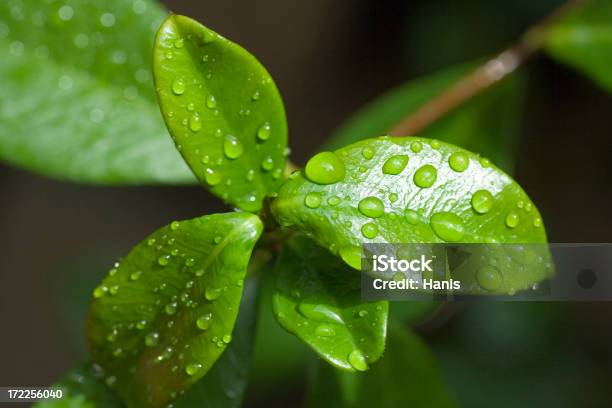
(357, 360)
(458, 161)
(482, 201)
(489, 278)
(416, 147)
(447, 226)
(411, 216)
(178, 86)
(193, 368)
(368, 152)
(371, 207)
(267, 164)
(195, 123)
(512, 219)
(152, 339)
(325, 330)
(211, 102)
(395, 164)
(312, 200)
(369, 230)
(212, 177)
(204, 322)
(232, 147)
(325, 168)
(425, 176)
(264, 132)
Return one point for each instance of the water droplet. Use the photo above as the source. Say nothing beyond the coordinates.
(357, 360)
(193, 368)
(204, 322)
(256, 96)
(211, 102)
(325, 330)
(334, 200)
(351, 255)
(320, 312)
(512, 219)
(312, 200)
(368, 152)
(175, 225)
(232, 147)
(112, 336)
(425, 176)
(163, 260)
(208, 37)
(170, 308)
(264, 132)
(482, 201)
(195, 123)
(250, 175)
(135, 275)
(277, 173)
(411, 216)
(325, 168)
(113, 290)
(537, 222)
(484, 162)
(416, 146)
(528, 207)
(212, 177)
(267, 164)
(141, 324)
(369, 230)
(179, 42)
(363, 313)
(489, 278)
(212, 294)
(178, 86)
(447, 226)
(371, 207)
(435, 144)
(100, 291)
(395, 164)
(227, 338)
(393, 197)
(152, 339)
(459, 161)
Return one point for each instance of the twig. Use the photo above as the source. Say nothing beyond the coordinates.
(484, 77)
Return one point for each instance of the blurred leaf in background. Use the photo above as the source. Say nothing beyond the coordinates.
(77, 100)
(584, 41)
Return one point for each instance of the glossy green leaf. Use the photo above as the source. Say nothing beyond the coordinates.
(318, 299)
(584, 41)
(442, 193)
(83, 387)
(223, 111)
(77, 100)
(224, 385)
(486, 125)
(166, 312)
(406, 376)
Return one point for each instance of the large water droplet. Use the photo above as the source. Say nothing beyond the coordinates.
(193, 368)
(357, 360)
(312, 200)
(204, 322)
(482, 201)
(264, 132)
(489, 278)
(447, 226)
(512, 219)
(325, 168)
(178, 86)
(232, 147)
(371, 207)
(212, 177)
(395, 164)
(425, 176)
(459, 161)
(369, 230)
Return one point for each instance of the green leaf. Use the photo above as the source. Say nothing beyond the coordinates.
(224, 385)
(486, 124)
(584, 41)
(223, 110)
(406, 376)
(77, 99)
(165, 313)
(318, 299)
(83, 387)
(411, 190)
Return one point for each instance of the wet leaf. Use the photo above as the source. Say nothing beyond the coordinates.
(584, 41)
(77, 99)
(412, 190)
(223, 111)
(165, 313)
(318, 299)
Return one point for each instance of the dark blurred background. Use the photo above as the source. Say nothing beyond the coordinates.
(330, 58)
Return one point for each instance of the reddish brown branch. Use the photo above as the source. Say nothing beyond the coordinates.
(485, 76)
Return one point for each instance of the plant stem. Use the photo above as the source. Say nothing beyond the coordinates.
(484, 77)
